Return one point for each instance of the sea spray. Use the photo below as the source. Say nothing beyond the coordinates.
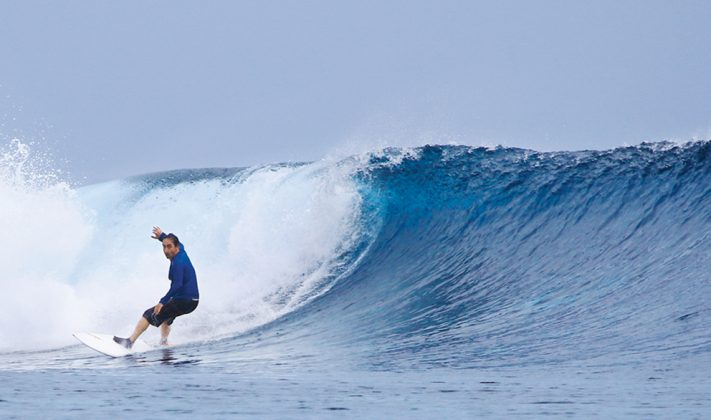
(44, 228)
(264, 241)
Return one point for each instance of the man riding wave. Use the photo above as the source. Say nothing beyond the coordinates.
(181, 299)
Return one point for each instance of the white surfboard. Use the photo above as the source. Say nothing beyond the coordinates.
(104, 343)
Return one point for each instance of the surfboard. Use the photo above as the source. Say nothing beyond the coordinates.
(105, 344)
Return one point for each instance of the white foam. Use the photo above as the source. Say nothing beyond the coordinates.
(83, 260)
(44, 228)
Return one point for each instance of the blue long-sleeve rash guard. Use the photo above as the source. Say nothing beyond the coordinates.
(183, 280)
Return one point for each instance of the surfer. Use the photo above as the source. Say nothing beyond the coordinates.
(181, 299)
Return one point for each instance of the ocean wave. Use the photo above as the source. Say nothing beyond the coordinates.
(442, 255)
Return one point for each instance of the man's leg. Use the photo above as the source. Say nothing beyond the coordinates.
(140, 328)
(164, 332)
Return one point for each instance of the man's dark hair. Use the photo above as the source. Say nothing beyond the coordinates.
(174, 239)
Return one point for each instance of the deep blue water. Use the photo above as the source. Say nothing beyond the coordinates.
(473, 282)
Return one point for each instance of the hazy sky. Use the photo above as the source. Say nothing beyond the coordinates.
(125, 87)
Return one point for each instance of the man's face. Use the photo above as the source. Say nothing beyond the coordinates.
(169, 249)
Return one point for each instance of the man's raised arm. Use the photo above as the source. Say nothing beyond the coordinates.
(158, 234)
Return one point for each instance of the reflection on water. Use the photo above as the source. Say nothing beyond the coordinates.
(163, 356)
(168, 357)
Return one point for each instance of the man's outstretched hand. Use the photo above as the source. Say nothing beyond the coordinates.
(156, 232)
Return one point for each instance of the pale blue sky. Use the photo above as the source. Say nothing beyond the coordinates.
(121, 88)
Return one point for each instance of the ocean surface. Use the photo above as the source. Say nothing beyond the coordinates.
(431, 282)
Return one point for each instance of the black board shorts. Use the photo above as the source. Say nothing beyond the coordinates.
(170, 311)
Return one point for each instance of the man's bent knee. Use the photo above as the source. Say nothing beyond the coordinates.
(150, 316)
